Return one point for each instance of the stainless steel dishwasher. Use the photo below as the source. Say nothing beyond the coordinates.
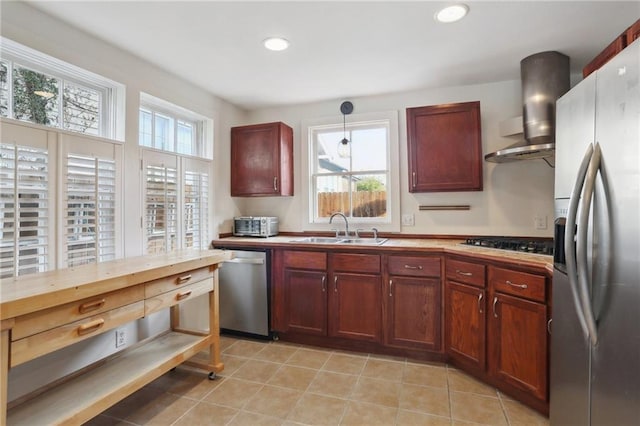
(244, 293)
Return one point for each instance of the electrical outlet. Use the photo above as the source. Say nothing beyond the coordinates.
(408, 219)
(540, 222)
(120, 340)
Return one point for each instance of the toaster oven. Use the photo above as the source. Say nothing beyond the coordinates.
(255, 226)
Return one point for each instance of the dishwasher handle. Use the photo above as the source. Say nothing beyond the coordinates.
(246, 260)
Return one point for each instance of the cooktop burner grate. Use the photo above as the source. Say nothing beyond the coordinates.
(526, 245)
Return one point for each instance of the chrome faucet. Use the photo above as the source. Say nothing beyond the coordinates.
(346, 223)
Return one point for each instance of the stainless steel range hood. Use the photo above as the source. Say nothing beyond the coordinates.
(545, 77)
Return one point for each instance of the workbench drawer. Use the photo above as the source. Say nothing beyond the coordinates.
(172, 282)
(48, 341)
(178, 295)
(37, 322)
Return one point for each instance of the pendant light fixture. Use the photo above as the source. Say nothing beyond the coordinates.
(344, 150)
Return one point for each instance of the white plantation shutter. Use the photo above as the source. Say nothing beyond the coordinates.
(90, 221)
(90, 206)
(161, 206)
(196, 204)
(24, 209)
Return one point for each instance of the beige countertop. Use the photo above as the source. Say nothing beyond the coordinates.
(449, 246)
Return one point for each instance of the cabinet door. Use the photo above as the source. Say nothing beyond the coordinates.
(518, 343)
(305, 300)
(413, 313)
(355, 304)
(445, 148)
(262, 160)
(465, 324)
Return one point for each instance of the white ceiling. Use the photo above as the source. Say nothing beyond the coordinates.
(344, 49)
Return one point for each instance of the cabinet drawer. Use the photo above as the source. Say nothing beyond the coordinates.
(465, 272)
(172, 282)
(37, 322)
(418, 266)
(177, 295)
(355, 262)
(518, 283)
(305, 260)
(40, 344)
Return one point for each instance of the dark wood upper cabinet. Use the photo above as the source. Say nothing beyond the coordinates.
(445, 147)
(262, 160)
(616, 46)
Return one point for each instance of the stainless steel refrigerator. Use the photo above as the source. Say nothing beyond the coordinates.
(595, 330)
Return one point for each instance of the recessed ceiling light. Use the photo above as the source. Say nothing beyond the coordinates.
(276, 43)
(452, 13)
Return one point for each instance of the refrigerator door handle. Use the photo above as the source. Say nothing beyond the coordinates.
(570, 238)
(582, 259)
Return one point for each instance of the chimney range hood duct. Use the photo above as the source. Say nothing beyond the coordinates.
(545, 77)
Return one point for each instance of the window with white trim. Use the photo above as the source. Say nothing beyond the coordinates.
(168, 127)
(176, 202)
(351, 170)
(40, 89)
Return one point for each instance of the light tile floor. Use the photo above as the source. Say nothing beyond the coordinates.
(276, 383)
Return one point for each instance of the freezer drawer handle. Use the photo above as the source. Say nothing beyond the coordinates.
(466, 274)
(522, 286)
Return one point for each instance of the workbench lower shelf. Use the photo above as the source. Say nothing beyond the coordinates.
(87, 395)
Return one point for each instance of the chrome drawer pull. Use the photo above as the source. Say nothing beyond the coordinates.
(184, 295)
(522, 286)
(466, 274)
(419, 267)
(183, 279)
(90, 327)
(91, 306)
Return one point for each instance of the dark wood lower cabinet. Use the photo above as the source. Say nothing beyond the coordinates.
(495, 315)
(518, 342)
(354, 304)
(413, 313)
(305, 301)
(465, 321)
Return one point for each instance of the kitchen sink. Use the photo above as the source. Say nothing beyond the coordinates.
(365, 241)
(333, 240)
(319, 240)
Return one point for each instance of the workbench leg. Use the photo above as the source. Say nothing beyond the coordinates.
(215, 359)
(4, 375)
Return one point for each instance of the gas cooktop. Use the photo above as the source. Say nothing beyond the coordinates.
(527, 245)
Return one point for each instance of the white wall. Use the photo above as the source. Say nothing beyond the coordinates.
(513, 192)
(32, 28)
